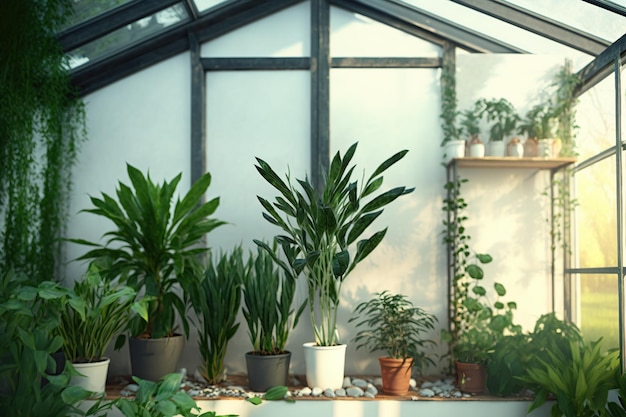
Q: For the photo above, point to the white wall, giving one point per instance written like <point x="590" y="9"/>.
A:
<point x="144" y="120"/>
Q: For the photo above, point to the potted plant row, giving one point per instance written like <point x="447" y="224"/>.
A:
<point x="320" y="232"/>
<point x="154" y="248"/>
<point x="392" y="324"/>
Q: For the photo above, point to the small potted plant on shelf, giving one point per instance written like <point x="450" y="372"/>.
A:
<point x="539" y="124"/>
<point x="393" y="325"/>
<point x="154" y="248"/>
<point x="321" y="228"/>
<point x="268" y="294"/>
<point x="470" y="123"/>
<point x="215" y="300"/>
<point x="503" y="120"/>
<point x="97" y="311"/>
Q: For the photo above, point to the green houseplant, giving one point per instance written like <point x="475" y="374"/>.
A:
<point x="268" y="295"/>
<point x="154" y="249"/>
<point x="470" y="124"/>
<point x="321" y="228"/>
<point x="477" y="322"/>
<point x="215" y="300"/>
<point x="393" y="325"/>
<point x="96" y="313"/>
<point x="503" y="120"/>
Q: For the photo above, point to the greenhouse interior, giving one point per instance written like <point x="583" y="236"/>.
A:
<point x="313" y="207"/>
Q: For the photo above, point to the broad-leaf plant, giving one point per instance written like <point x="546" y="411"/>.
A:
<point x="322" y="230"/>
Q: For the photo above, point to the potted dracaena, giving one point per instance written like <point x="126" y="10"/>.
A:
<point x="97" y="312"/>
<point x="321" y="231"/>
<point x="154" y="248"/>
<point x="392" y="324"/>
<point x="268" y="294"/>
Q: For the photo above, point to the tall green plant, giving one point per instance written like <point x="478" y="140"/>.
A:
<point x="268" y="294"/>
<point x="155" y="245"/>
<point x="321" y="230"/>
<point x="41" y="126"/>
<point x="215" y="299"/>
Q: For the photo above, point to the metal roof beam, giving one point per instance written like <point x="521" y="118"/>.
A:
<point x="107" y="22"/>
<point x="538" y="24"/>
<point x="609" y="5"/>
<point x="394" y="11"/>
<point x="602" y="66"/>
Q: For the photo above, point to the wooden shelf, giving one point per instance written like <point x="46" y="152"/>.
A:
<point x="512" y="162"/>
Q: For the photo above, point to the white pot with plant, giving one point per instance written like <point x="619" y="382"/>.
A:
<point x="97" y="310"/>
<point x="321" y="230"/>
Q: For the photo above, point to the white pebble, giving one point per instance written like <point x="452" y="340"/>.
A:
<point x="427" y="392"/>
<point x="316" y="392"/>
<point x="340" y="392"/>
<point x="412" y="383"/>
<point x="305" y="391"/>
<point x="358" y="382"/>
<point x="372" y="389"/>
<point x="426" y="384"/>
<point x="346" y="382"/>
<point x="369" y="395"/>
<point x="354" y="392"/>
<point x="328" y="392"/>
<point x="132" y="387"/>
<point x="457" y="394"/>
<point x="193" y="392"/>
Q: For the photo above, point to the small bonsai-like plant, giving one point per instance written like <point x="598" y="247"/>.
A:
<point x="392" y="324"/>
<point x="268" y="295"/>
<point x="539" y="122"/>
<point x="215" y="300"/>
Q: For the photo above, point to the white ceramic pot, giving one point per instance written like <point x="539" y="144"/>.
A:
<point x="454" y="149"/>
<point x="93" y="376"/>
<point x="497" y="148"/>
<point x="324" y="365"/>
<point x="477" y="150"/>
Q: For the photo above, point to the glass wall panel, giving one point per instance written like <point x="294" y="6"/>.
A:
<point x="358" y="36"/>
<point x="596" y="215"/>
<point x="205" y="5"/>
<point x="87" y="9"/>
<point x="283" y="34"/>
<point x="595" y="116"/>
<point x="598" y="310"/>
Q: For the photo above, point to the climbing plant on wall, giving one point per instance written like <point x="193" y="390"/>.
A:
<point x="41" y="126"/>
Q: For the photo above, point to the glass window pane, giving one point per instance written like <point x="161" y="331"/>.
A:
<point x="87" y="9"/>
<point x="598" y="310"/>
<point x="204" y="5"/>
<point x="596" y="215"/>
<point x="133" y="33"/>
<point x="595" y="116"/>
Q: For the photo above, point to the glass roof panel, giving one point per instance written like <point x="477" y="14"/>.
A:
<point x="204" y="5"/>
<point x="580" y="15"/>
<point x="495" y="28"/>
<point x="130" y="34"/>
<point x="86" y="9"/>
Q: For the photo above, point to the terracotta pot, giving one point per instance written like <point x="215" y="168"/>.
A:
<point x="396" y="375"/>
<point x="530" y="148"/>
<point x="471" y="377"/>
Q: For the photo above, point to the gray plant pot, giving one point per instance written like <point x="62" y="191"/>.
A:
<point x="152" y="359"/>
<point x="266" y="371"/>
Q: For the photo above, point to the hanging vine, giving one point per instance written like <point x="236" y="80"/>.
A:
<point x="41" y="125"/>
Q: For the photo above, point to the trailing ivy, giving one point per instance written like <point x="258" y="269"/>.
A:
<point x="41" y="126"/>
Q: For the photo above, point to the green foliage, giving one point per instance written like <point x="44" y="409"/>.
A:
<point x="268" y="294"/>
<point x="321" y="230"/>
<point x="478" y="322"/>
<point x="41" y="126"/>
<point x="98" y="311"/>
<point x="565" y="82"/>
<point x="154" y="247"/>
<point x="215" y="299"/>
<point x="160" y="399"/>
<point x="539" y="122"/>
<point x="30" y="384"/>
<point x="394" y="326"/>
<point x="449" y="112"/>
<point x="470" y="121"/>
<point x="618" y="409"/>
<point x="580" y="380"/>
<point x="501" y="114"/>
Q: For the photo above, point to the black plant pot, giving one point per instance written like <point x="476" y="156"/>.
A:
<point x="267" y="371"/>
<point x="152" y="359"/>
